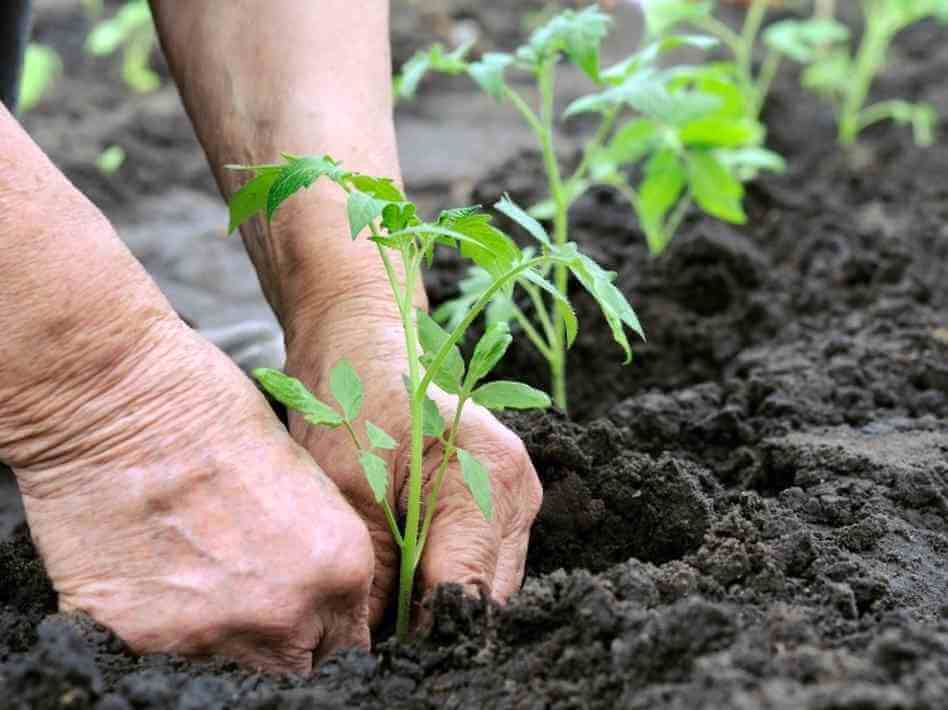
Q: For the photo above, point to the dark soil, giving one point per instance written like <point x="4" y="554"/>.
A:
<point x="753" y="515"/>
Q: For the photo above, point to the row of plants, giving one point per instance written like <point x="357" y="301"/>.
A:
<point x="670" y="138"/>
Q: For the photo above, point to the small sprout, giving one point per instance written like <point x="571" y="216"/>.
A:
<point x="378" y="211"/>
<point x="110" y="160"/>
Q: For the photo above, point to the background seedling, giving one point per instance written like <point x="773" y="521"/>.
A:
<point x="377" y="207"/>
<point x="845" y="77"/>
<point x="41" y="67"/>
<point x="667" y="139"/>
<point x="132" y="31"/>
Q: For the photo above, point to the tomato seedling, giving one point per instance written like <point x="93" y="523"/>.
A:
<point x="844" y="77"/>
<point x="132" y="31"/>
<point x="692" y="137"/>
<point x="378" y="208"/>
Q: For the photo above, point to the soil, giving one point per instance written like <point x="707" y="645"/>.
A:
<point x="752" y="515"/>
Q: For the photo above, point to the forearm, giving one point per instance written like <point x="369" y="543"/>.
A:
<point x="259" y="79"/>
<point x="64" y="277"/>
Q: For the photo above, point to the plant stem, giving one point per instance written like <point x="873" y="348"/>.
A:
<point x="416" y="401"/>
<point x="598" y="139"/>
<point x="869" y="57"/>
<point x="768" y="72"/>
<point x="560" y="225"/>
<point x="432" y="501"/>
<point x="389" y="515"/>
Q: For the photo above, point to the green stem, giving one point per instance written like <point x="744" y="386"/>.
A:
<point x="438" y="480"/>
<point x="560" y="225"/>
<point x="752" y="24"/>
<point x="416" y="401"/>
<point x="538" y="342"/>
<point x="869" y="58"/>
<point x="768" y="72"/>
<point x="597" y="141"/>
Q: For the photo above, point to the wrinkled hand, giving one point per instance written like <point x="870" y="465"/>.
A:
<point x="462" y="546"/>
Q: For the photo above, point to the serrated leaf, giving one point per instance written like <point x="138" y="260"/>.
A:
<point x="613" y="304"/>
<point x="746" y="162"/>
<point x="503" y="395"/>
<point x="714" y="188"/>
<point x="488" y="73"/>
<point x="508" y="207"/>
<point x="295" y="395"/>
<point x="662" y="15"/>
<point x="578" y="34"/>
<point x="376" y="473"/>
<point x="378" y="187"/>
<point x="432" y="337"/>
<point x="298" y="174"/>
<point x="413" y="71"/>
<point x="251" y="198"/>
<point x="432" y="422"/>
<point x="478" y="482"/>
<point x="346" y="387"/>
<point x="486" y="245"/>
<point x="362" y="210"/>
<point x="488" y="352"/>
<point x="647" y="56"/>
<point x="379" y="438"/>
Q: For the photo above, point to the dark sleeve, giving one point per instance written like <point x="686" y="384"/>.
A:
<point x="14" y="34"/>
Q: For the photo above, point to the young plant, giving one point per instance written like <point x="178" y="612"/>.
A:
<point x="376" y="207"/>
<point x="687" y="131"/>
<point x="845" y="78"/>
<point x="41" y="67"/>
<point x="132" y="31"/>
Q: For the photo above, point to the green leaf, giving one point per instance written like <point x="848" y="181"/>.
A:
<point x="662" y="15"/>
<point x="488" y="352"/>
<point x="613" y="304"/>
<point x="721" y="132"/>
<point x="376" y="473"/>
<point x="362" y="211"/>
<point x="510" y="395"/>
<point x="804" y="40"/>
<point x="41" y="67"/>
<point x="486" y="245"/>
<point x="746" y="162"/>
<point x="564" y="307"/>
<point x="295" y="395"/>
<point x="382" y="188"/>
<point x="300" y="173"/>
<point x="379" y="438"/>
<point x="647" y="56"/>
<point x="633" y="141"/>
<point x="346" y="387"/>
<point x="831" y="75"/>
<point x="508" y="207"/>
<point x="413" y="71"/>
<point x="478" y="482"/>
<point x="715" y="189"/>
<point x="432" y="422"/>
<point x="488" y="73"/>
<point x="665" y="179"/>
<point x="251" y="198"/>
<point x="432" y="337"/>
<point x="577" y="34"/>
<point x="452" y="312"/>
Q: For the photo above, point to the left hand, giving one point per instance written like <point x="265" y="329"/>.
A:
<point x="462" y="546"/>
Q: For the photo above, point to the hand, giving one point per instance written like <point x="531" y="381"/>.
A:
<point x="172" y="507"/>
<point x="462" y="546"/>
